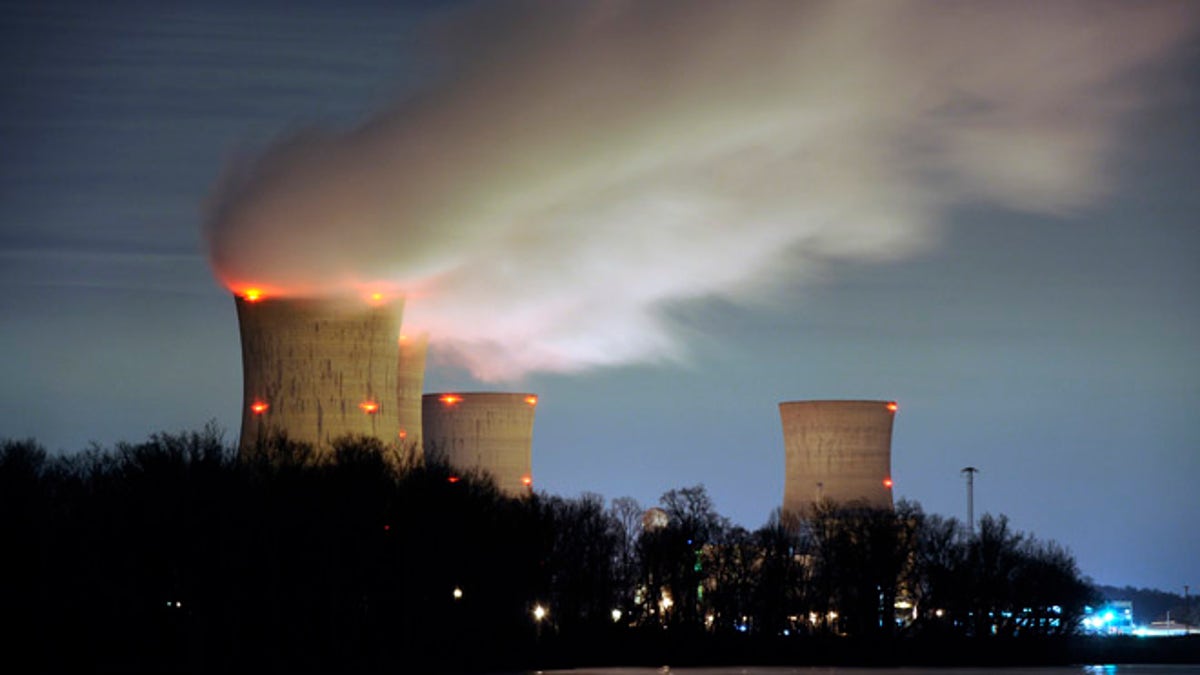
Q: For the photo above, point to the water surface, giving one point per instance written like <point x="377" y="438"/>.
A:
<point x="1123" y="669"/>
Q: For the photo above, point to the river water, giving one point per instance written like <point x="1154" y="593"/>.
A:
<point x="1123" y="669"/>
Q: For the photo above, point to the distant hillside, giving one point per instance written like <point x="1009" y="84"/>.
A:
<point x="1152" y="605"/>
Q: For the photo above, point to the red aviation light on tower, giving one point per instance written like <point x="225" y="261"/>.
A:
<point x="527" y="480"/>
<point x="887" y="482"/>
<point x="450" y="399"/>
<point x="453" y="479"/>
<point x="531" y="400"/>
<point x="369" y="407"/>
<point x="259" y="407"/>
<point x="892" y="406"/>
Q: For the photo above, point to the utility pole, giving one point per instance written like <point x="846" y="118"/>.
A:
<point x="970" y="472"/>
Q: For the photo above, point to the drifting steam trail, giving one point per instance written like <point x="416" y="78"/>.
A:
<point x="578" y="165"/>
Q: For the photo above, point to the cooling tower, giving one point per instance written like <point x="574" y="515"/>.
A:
<point x="837" y="450"/>
<point x="318" y="369"/>
<point x="490" y="432"/>
<point x="410" y="379"/>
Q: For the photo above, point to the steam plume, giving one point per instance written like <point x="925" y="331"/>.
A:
<point x="578" y="165"/>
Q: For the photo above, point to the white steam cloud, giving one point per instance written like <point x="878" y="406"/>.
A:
<point x="578" y="165"/>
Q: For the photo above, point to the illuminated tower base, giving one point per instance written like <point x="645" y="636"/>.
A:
<point x="318" y="370"/>
<point x="840" y="451"/>
<point x="410" y="381"/>
<point x="488" y="432"/>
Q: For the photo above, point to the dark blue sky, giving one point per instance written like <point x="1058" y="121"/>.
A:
<point x="1057" y="348"/>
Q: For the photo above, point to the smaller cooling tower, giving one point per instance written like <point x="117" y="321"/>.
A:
<point x="410" y="380"/>
<point x="837" y="450"/>
<point x="489" y="432"/>
<point x="318" y="369"/>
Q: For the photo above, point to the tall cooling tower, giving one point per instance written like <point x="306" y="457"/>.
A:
<point x="837" y="450"/>
<point x="491" y="432"/>
<point x="318" y="369"/>
<point x="410" y="380"/>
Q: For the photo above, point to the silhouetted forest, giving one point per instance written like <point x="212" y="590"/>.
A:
<point x="174" y="555"/>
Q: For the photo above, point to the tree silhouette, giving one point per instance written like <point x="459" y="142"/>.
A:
<point x="180" y="554"/>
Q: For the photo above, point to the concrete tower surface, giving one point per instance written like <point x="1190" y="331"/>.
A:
<point x="491" y="432"/>
<point x="318" y="369"/>
<point x="837" y="450"/>
<point x="410" y="381"/>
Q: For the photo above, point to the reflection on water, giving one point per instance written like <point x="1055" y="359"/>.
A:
<point x="1123" y="669"/>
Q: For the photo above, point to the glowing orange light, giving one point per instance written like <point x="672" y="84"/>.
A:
<point x="887" y="483"/>
<point x="527" y="480"/>
<point x="531" y="400"/>
<point x="253" y="294"/>
<point x="892" y="406"/>
<point x="369" y="407"/>
<point x="403" y="433"/>
<point x="376" y="297"/>
<point x="403" y="338"/>
<point x="259" y="407"/>
<point x="453" y="479"/>
<point x="450" y="399"/>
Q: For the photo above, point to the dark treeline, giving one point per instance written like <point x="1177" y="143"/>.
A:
<point x="173" y="555"/>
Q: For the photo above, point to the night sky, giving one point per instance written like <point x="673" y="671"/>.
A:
<point x="662" y="221"/>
